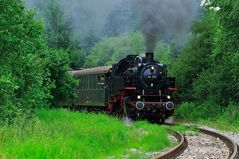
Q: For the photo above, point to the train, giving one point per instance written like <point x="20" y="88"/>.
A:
<point x="137" y="86"/>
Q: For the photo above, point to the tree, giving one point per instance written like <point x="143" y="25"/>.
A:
<point x="58" y="64"/>
<point x="31" y="75"/>
<point x="222" y="78"/>
<point x="195" y="58"/>
<point x="208" y="67"/>
<point x="24" y="83"/>
<point x="59" y="33"/>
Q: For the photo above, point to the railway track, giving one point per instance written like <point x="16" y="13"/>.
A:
<point x="233" y="147"/>
<point x="178" y="149"/>
<point x="182" y="146"/>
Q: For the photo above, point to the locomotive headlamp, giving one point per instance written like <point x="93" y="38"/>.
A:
<point x="168" y="97"/>
<point x="152" y="67"/>
<point x="138" y="97"/>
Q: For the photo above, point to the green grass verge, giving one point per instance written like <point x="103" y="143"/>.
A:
<point x="224" y="118"/>
<point x="64" y="134"/>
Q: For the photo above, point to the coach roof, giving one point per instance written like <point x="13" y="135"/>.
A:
<point x="91" y="71"/>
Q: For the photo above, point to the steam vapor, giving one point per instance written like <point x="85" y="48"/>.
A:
<point x="158" y="19"/>
<point x="89" y="16"/>
<point x="164" y="19"/>
<point x="85" y="16"/>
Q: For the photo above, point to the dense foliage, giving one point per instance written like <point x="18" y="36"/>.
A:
<point x="58" y="64"/>
<point x="23" y="82"/>
<point x="28" y="78"/>
<point x="207" y="67"/>
<point x="210" y="114"/>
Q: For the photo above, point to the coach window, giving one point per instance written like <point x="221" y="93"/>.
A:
<point x="85" y="83"/>
<point x="92" y="82"/>
<point x="89" y="82"/>
<point x="95" y="82"/>
<point x="102" y="81"/>
<point x="82" y="83"/>
<point x="98" y="82"/>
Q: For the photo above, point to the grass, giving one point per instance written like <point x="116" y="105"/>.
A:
<point x="63" y="134"/>
<point x="224" y="118"/>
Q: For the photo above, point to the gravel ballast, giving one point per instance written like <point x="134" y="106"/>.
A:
<point x="234" y="136"/>
<point x="202" y="146"/>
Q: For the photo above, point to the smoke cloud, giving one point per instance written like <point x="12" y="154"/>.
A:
<point x="164" y="19"/>
<point x="89" y="16"/>
<point x="33" y="4"/>
<point x="158" y="19"/>
<point x="85" y="16"/>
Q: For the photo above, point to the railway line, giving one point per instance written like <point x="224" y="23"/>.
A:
<point x="224" y="147"/>
<point x="178" y="149"/>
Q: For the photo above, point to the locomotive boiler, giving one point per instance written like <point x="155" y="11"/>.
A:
<point x="137" y="87"/>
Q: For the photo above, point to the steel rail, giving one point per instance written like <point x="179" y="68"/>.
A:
<point x="233" y="147"/>
<point x="178" y="149"/>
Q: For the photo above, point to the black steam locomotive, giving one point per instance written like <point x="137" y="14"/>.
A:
<point x="137" y="87"/>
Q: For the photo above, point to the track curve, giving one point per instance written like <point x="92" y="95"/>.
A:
<point x="178" y="149"/>
<point x="233" y="147"/>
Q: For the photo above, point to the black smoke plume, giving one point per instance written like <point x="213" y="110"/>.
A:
<point x="165" y="19"/>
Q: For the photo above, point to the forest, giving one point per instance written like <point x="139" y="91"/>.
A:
<point x="41" y="42"/>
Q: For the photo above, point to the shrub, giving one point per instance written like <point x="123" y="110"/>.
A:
<point x="192" y="112"/>
<point x="58" y="63"/>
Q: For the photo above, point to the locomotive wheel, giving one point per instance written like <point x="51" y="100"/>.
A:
<point x="126" y="112"/>
<point x="115" y="110"/>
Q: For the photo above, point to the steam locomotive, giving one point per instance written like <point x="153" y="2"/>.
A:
<point x="137" y="87"/>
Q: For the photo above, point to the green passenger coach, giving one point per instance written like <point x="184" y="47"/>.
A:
<point x="92" y="86"/>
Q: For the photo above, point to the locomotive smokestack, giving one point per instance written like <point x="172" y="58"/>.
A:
<point x="149" y="57"/>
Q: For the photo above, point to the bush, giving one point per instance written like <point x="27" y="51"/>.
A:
<point x="184" y="111"/>
<point x="231" y="114"/>
<point x="193" y="112"/>
<point x="58" y="63"/>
